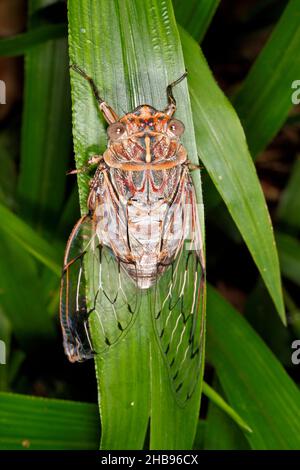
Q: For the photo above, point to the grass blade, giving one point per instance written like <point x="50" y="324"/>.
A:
<point x="23" y="297"/>
<point x="265" y="98"/>
<point x="199" y="439"/>
<point x="221" y="433"/>
<point x="45" y="147"/>
<point x="41" y="424"/>
<point x="221" y="403"/>
<point x="289" y="255"/>
<point x="195" y="15"/>
<point x="254" y="381"/>
<point x="29" y="240"/>
<point x="19" y="44"/>
<point x="132" y="50"/>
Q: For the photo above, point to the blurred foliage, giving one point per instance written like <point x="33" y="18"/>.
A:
<point x="251" y="49"/>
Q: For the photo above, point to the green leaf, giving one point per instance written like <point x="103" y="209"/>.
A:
<point x="123" y="376"/>
<point x="41" y="424"/>
<point x="289" y="255"/>
<point x="195" y="15"/>
<point x="221" y="403"/>
<point x="265" y="98"/>
<point x="29" y="240"/>
<point x="254" y="382"/>
<point x="222" y="148"/>
<point x="289" y="205"/>
<point x="22" y="295"/>
<point x="46" y="138"/>
<point x="199" y="439"/>
<point x="132" y="50"/>
<point x="221" y="433"/>
<point x="19" y="44"/>
<point x="259" y="311"/>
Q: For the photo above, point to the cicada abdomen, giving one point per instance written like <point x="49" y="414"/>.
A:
<point x="142" y="233"/>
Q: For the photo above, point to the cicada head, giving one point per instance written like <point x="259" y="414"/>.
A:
<point x="145" y="135"/>
<point x="146" y="120"/>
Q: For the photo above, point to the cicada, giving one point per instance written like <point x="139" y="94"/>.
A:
<point x="141" y="234"/>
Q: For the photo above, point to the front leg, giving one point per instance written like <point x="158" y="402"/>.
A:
<point x="95" y="185"/>
<point x="191" y="166"/>
<point x="94" y="160"/>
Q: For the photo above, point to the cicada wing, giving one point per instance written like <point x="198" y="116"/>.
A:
<point x="179" y="300"/>
<point x="73" y="304"/>
<point x="109" y="299"/>
<point x="114" y="297"/>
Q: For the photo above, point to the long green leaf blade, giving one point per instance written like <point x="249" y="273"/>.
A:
<point x="222" y="148"/>
<point x="45" y="148"/>
<point x="219" y="401"/>
<point x="132" y="50"/>
<point x="195" y="15"/>
<point x="33" y="423"/>
<point x="221" y="433"/>
<point x="19" y="44"/>
<point x="254" y="381"/>
<point x="265" y="98"/>
<point x="22" y="295"/>
<point x="29" y="240"/>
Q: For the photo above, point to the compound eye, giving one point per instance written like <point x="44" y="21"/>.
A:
<point x="176" y="127"/>
<point x="115" y="130"/>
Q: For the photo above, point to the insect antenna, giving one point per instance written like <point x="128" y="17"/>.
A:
<point x="171" y="108"/>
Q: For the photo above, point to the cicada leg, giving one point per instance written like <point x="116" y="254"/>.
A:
<point x="94" y="160"/>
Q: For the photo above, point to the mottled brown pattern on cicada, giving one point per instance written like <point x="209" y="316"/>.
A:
<point x="142" y="233"/>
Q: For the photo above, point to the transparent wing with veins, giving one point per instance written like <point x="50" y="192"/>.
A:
<point x="178" y="306"/>
<point x="110" y="299"/>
